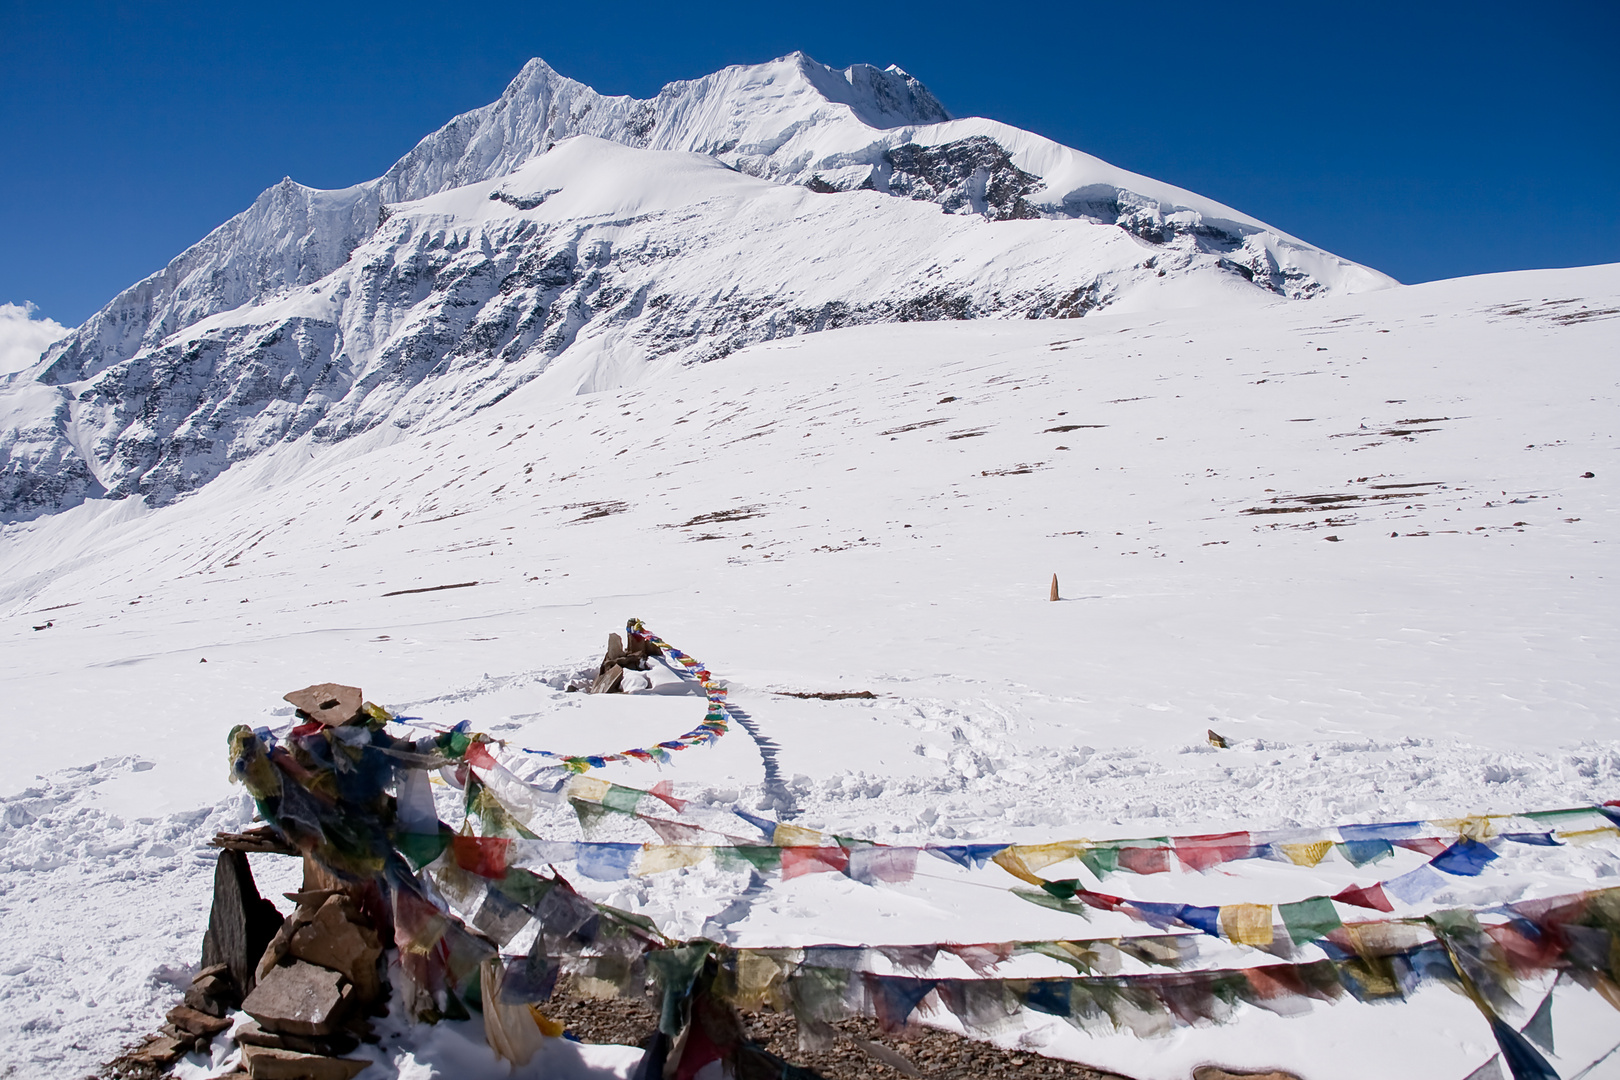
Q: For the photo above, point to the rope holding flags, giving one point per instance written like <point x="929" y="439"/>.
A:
<point x="485" y="921"/>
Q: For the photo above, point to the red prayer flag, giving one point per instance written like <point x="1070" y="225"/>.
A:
<point x="1203" y="852"/>
<point x="1371" y="896"/>
<point x="481" y="855"/>
<point x="1423" y="845"/>
<point x="797" y="861"/>
<point x="1145" y="860"/>
<point x="666" y="791"/>
<point x="479" y="757"/>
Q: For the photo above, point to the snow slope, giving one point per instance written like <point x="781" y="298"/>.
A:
<point x="537" y="232"/>
<point x="1353" y="536"/>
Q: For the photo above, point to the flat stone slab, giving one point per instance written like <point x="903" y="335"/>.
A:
<point x="333" y="704"/>
<point x="264" y="1063"/>
<point x="301" y="999"/>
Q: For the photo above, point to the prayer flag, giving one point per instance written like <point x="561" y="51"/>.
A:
<point x="1370" y="896"/>
<point x="1144" y="860"/>
<point x="1309" y="919"/>
<point x="871" y="865"/>
<point x="785" y="835"/>
<point x="1306" y="854"/>
<point x="895" y="997"/>
<point x="481" y="855"/>
<point x="1206" y="919"/>
<point x="1465" y="858"/>
<point x="666" y="791"/>
<point x="1415" y="886"/>
<point x="607" y="862"/>
<point x="967" y="856"/>
<point x="1203" y="852"/>
<point x="798" y="861"/>
<point x="1247" y="924"/>
<point x="1362" y="852"/>
<point x="658" y="858"/>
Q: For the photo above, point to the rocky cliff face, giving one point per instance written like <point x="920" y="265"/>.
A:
<point x="551" y="231"/>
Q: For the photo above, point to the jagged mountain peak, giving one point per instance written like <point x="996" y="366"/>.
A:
<point x="596" y="239"/>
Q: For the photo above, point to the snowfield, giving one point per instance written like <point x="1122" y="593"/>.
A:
<point x="1356" y="536"/>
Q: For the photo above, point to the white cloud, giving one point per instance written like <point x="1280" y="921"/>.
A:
<point x="23" y="337"/>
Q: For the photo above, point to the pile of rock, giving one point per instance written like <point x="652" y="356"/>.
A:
<point x="618" y="659"/>
<point x="309" y="981"/>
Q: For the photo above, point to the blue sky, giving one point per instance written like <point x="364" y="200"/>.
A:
<point x="1428" y="140"/>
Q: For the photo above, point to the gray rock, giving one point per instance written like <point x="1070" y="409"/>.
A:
<point x="300" y="999"/>
<point x="241" y="922"/>
<point x="338" y="1044"/>
<point x="265" y="1063"/>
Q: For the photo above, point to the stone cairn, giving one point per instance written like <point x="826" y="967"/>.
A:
<point x="310" y="981"/>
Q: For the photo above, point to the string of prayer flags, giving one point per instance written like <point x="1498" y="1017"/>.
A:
<point x="715" y="721"/>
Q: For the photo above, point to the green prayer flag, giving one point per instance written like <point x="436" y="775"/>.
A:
<point x="675" y="969"/>
<point x="524" y="886"/>
<point x="1101" y="860"/>
<point x="622" y="799"/>
<point x="1309" y="919"/>
<point x="589" y="814"/>
<point x="420" y="849"/>
<point x="762" y="857"/>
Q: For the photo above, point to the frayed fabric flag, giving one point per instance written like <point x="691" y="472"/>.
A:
<point x="1309" y="919"/>
<point x="674" y="832"/>
<point x="1207" y="919"/>
<point x="1423" y="845"/>
<point x="1368" y="896"/>
<point x="1465" y="858"/>
<point x="1204" y="852"/>
<point x="588" y="788"/>
<point x="1523" y="1060"/>
<point x="661" y="858"/>
<point x="1305" y="854"/>
<point x="1415" y="886"/>
<point x="872" y="865"/>
<point x="607" y="862"/>
<point x="665" y="791"/>
<point x="967" y="856"/>
<point x="798" y="861"/>
<point x="1010" y="861"/>
<point x="1247" y="924"/>
<point x="894" y="998"/>
<point x="481" y="855"/>
<point x="621" y="799"/>
<point x="764" y="825"/>
<point x="1362" y="852"/>
<point x="1144" y="858"/>
<point x="785" y="835"/>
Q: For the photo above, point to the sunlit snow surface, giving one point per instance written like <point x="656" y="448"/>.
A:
<point x="882" y="508"/>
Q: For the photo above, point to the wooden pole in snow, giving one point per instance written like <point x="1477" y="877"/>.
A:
<point x="1054" y="595"/>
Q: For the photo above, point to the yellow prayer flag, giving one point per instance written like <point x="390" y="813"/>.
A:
<point x="1037" y="856"/>
<point x="1247" y="924"/>
<point x="588" y="788"/>
<point x="759" y="980"/>
<point x="657" y="858"/>
<point x="551" y="1029"/>
<point x="794" y="836"/>
<point x="1580" y="837"/>
<point x="1306" y="854"/>
<point x="1008" y="859"/>
<point x="1479" y="827"/>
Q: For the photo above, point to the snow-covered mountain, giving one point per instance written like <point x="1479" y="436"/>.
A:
<point x="592" y="240"/>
